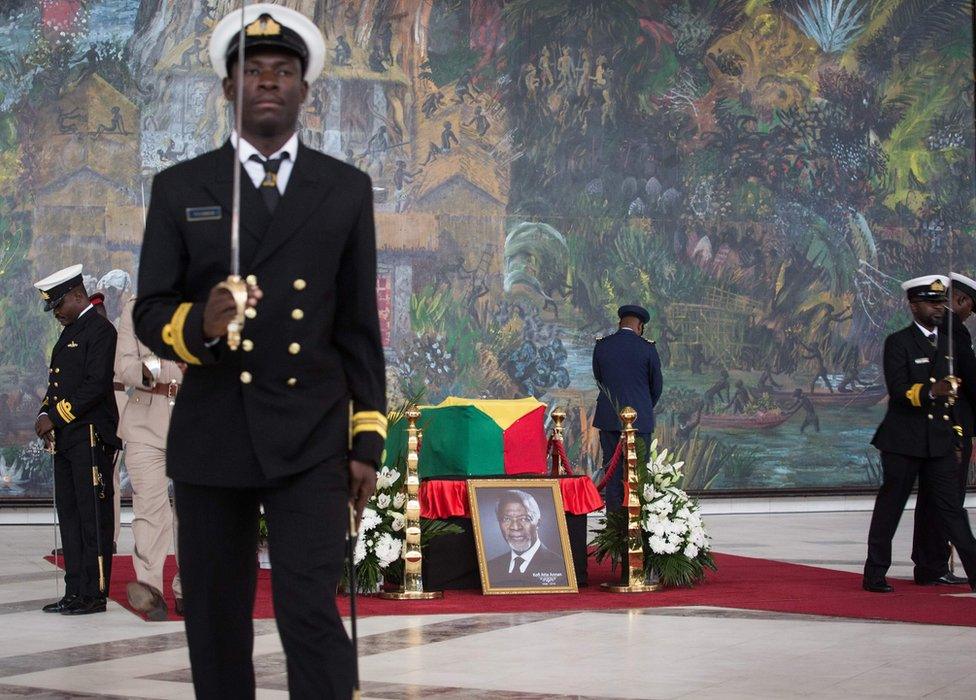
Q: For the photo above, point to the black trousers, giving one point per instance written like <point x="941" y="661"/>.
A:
<point x="614" y="492"/>
<point x="307" y="518"/>
<point x="930" y="545"/>
<point x="75" y="500"/>
<point x="938" y="476"/>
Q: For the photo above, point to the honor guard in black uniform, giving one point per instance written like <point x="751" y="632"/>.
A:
<point x="295" y="419"/>
<point x="930" y="547"/>
<point x="628" y="371"/>
<point x="917" y="437"/>
<point x="78" y="418"/>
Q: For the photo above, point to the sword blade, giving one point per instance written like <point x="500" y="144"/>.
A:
<point x="235" y="217"/>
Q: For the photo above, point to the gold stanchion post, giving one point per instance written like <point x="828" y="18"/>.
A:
<point x="558" y="416"/>
<point x="413" y="582"/>
<point x="634" y="581"/>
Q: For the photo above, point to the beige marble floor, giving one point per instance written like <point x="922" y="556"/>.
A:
<point x="660" y="653"/>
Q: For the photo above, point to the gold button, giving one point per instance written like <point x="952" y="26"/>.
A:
<point x="930" y="416"/>
<point x="294" y="348"/>
<point x="292" y="381"/>
<point x="55" y="383"/>
<point x="297" y="314"/>
<point x="247" y="344"/>
<point x="945" y="417"/>
<point x="57" y="370"/>
<point x="932" y="379"/>
<point x="251" y="280"/>
<point x="246" y="377"/>
<point x="298" y="284"/>
<point x="250" y="312"/>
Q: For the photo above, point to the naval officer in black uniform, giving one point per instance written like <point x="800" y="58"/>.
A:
<point x="930" y="546"/>
<point x="295" y="420"/>
<point x="917" y="437"/>
<point x="80" y="395"/>
<point x="628" y="371"/>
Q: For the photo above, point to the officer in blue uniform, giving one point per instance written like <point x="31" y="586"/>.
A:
<point x="628" y="371"/>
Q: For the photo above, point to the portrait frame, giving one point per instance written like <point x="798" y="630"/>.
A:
<point x="553" y="558"/>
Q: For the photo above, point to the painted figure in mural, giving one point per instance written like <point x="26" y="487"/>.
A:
<point x="583" y="81"/>
<point x="171" y="155"/>
<point x="376" y="148"/>
<point x="432" y="103"/>
<point x="342" y="53"/>
<point x="479" y="121"/>
<point x="546" y="79"/>
<point x="740" y="398"/>
<point x="687" y="424"/>
<point x="385" y="37"/>
<point x="564" y="67"/>
<point x="68" y="121"/>
<point x="802" y="402"/>
<point x="628" y="371"/>
<point x="930" y="547"/>
<point x="116" y="127"/>
<point x="716" y="390"/>
<point x="401" y="178"/>
<point x="78" y="417"/>
<point x="448" y="137"/>
<point x="813" y="352"/>
<point x="377" y="59"/>
<point x="294" y="420"/>
<point x="530" y="80"/>
<point x="143" y="426"/>
<point x="917" y="438"/>
<point x="767" y="382"/>
<point x="463" y="89"/>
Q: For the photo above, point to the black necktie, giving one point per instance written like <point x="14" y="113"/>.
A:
<point x="934" y="340"/>
<point x="269" y="185"/>
<point x="517" y="565"/>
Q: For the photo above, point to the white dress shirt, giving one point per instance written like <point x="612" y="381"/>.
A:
<point x="526" y="557"/>
<point x="927" y="333"/>
<point x="256" y="171"/>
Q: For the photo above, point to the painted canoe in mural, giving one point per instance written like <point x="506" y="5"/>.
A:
<point x="860" y="398"/>
<point x="733" y="421"/>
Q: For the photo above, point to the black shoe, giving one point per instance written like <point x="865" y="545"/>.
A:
<point x="944" y="580"/>
<point x="84" y="605"/>
<point x="879" y="586"/>
<point x="60" y="605"/>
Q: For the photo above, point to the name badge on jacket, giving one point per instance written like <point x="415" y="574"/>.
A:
<point x="203" y="213"/>
<point x="922" y="361"/>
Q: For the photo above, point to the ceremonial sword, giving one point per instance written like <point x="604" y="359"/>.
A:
<point x="234" y="284"/>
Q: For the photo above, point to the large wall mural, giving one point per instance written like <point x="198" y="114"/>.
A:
<point x="761" y="174"/>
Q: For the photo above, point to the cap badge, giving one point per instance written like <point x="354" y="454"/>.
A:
<point x="45" y="296"/>
<point x="263" y="26"/>
<point x="937" y="286"/>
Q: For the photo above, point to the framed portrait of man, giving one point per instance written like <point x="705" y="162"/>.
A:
<point x="521" y="536"/>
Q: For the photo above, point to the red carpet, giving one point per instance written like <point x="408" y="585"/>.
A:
<point x="741" y="582"/>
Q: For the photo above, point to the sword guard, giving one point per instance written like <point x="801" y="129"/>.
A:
<point x="238" y="290"/>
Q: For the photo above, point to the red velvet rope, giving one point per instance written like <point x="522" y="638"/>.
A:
<point x="560" y="449"/>
<point x="612" y="465"/>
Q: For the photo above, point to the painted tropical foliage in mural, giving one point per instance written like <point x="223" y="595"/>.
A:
<point x="761" y="174"/>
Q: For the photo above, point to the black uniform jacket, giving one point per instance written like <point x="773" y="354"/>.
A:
<point x="307" y="385"/>
<point x="914" y="424"/>
<point x="628" y="367"/>
<point x="79" y="391"/>
<point x="965" y="369"/>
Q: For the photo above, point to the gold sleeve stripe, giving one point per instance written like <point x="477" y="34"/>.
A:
<point x="173" y="334"/>
<point x="368" y="421"/>
<point x="64" y="410"/>
<point x="913" y="395"/>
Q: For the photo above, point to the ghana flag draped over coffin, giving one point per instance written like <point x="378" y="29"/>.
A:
<point x="485" y="437"/>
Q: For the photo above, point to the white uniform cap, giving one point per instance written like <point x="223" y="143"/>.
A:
<point x="230" y="26"/>
<point x="928" y="287"/>
<point x="963" y="284"/>
<point x="54" y="287"/>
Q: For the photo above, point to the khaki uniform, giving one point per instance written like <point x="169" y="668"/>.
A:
<point x="143" y="427"/>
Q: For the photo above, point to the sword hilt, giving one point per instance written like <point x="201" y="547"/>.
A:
<point x="238" y="290"/>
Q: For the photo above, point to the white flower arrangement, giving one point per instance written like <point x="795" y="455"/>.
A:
<point x="677" y="545"/>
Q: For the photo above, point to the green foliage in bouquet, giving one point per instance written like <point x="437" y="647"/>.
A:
<point x="379" y="548"/>
<point x="676" y="545"/>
